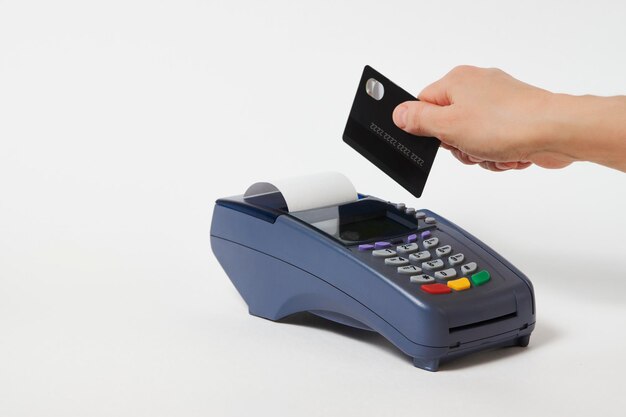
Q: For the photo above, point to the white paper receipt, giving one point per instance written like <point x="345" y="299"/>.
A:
<point x="309" y="191"/>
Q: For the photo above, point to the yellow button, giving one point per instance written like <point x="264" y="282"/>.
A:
<point x="459" y="284"/>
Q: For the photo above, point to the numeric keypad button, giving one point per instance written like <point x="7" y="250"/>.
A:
<point x="383" y="253"/>
<point x="456" y="259"/>
<point x="409" y="269"/>
<point x="420" y="256"/>
<point x="396" y="261"/>
<point x="422" y="279"/>
<point x="469" y="268"/>
<point x="432" y="265"/>
<point x="443" y="250"/>
<point x="408" y="248"/>
<point x="446" y="274"/>
<point x="431" y="243"/>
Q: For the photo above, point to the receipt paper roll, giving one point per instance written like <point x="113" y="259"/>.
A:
<point x="309" y="191"/>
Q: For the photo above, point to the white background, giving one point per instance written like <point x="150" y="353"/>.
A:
<point x="122" y="121"/>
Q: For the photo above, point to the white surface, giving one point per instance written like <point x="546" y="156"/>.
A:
<point x="122" y="121"/>
<point x="305" y="192"/>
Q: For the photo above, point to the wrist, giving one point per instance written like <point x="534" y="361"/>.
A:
<point x="561" y="135"/>
<point x="587" y="128"/>
<point x="551" y="131"/>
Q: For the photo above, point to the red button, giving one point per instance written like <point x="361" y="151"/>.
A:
<point x="436" y="288"/>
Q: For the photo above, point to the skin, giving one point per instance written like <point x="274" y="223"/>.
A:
<point x="486" y="117"/>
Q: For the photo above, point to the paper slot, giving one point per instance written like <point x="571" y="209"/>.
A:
<point x="305" y="192"/>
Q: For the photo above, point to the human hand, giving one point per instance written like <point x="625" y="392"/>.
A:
<point x="484" y="116"/>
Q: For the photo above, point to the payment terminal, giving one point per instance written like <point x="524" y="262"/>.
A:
<point x="428" y="286"/>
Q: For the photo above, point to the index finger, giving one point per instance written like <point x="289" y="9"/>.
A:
<point x="436" y="93"/>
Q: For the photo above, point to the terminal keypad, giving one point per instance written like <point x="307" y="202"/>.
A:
<point x="431" y="265"/>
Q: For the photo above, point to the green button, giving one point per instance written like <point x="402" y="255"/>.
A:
<point x="479" y="278"/>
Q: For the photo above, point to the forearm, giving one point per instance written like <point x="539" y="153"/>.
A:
<point x="589" y="128"/>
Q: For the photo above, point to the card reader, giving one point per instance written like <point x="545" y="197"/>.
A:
<point x="425" y="284"/>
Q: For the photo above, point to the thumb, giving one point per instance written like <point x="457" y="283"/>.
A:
<point x="419" y="118"/>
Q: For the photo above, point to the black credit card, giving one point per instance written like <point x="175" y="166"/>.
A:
<point x="370" y="130"/>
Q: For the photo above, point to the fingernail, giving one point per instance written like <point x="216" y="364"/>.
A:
<point x="399" y="116"/>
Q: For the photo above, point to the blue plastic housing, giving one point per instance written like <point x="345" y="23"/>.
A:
<point x="281" y="265"/>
